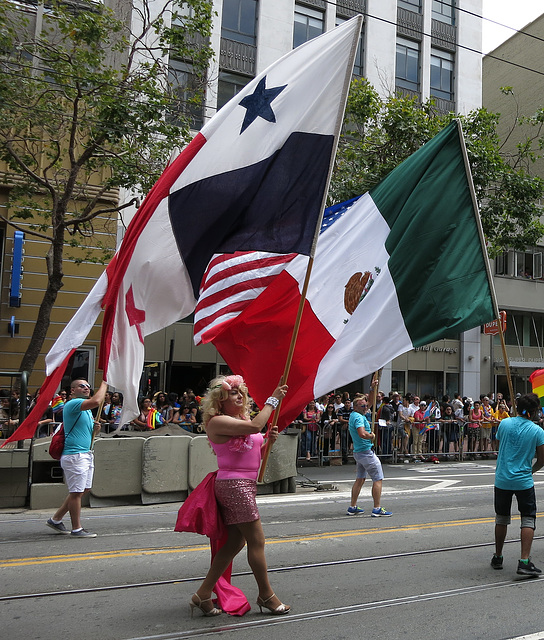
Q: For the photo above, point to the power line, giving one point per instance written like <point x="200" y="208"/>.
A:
<point x="176" y="101"/>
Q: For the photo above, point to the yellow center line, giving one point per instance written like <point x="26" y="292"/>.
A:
<point x="130" y="553"/>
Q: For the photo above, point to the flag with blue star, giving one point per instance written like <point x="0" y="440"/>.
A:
<point x="258" y="104"/>
<point x="253" y="179"/>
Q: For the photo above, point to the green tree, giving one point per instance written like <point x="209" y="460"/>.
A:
<point x="381" y="132"/>
<point x="89" y="105"/>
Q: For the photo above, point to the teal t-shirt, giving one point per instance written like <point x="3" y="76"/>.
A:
<point x="357" y="420"/>
<point x="78" y="427"/>
<point x="518" y="439"/>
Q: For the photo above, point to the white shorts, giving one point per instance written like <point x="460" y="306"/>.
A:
<point x="78" y="471"/>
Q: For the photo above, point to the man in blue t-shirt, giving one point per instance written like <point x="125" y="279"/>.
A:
<point x="77" y="460"/>
<point x="367" y="461"/>
<point x="520" y="440"/>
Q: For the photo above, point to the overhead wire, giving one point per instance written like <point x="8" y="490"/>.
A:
<point x="367" y="15"/>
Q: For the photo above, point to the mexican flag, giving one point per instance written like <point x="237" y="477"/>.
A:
<point x="400" y="267"/>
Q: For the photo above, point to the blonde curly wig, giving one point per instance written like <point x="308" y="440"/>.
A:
<point x="218" y="392"/>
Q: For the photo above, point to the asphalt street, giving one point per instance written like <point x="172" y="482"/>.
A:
<point x="422" y="573"/>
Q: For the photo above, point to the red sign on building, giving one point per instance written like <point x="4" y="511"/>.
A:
<point x="492" y="328"/>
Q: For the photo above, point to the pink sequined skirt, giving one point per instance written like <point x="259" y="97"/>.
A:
<point x="237" y="500"/>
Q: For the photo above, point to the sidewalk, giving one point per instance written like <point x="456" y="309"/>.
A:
<point x="311" y="476"/>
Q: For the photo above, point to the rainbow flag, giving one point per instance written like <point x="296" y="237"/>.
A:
<point x="154" y="419"/>
<point x="537" y="380"/>
<point x="57" y="404"/>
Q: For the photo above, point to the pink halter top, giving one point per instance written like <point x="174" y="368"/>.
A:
<point x="239" y="457"/>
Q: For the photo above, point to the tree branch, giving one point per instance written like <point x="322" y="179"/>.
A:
<point x="37" y="234"/>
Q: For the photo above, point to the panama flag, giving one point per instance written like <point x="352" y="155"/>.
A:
<point x="537" y="381"/>
<point x="402" y="266"/>
<point x="253" y="179"/>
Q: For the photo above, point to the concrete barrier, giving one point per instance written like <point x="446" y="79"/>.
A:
<point x="13" y="477"/>
<point x="202" y="460"/>
<point x="117" y="471"/>
<point x="281" y="469"/>
<point x="165" y="469"/>
<point x="133" y="470"/>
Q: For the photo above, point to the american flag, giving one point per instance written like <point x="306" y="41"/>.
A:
<point x="233" y="280"/>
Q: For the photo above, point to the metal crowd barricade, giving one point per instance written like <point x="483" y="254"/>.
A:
<point x="21" y="384"/>
<point x="396" y="443"/>
<point x="326" y="445"/>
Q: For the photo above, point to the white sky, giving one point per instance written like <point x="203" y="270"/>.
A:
<point x="514" y="13"/>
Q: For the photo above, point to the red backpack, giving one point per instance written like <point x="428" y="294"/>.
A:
<point x="56" y="446"/>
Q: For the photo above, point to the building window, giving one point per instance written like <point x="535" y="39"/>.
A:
<point x="443" y="10"/>
<point x="407" y="64"/>
<point x="523" y="330"/>
<point x="442" y="66"/>
<point x="398" y="382"/>
<point x="410" y="5"/>
<point x="187" y="94"/>
<point x="526" y="265"/>
<point x="229" y="85"/>
<point x="239" y="21"/>
<point x="358" y="65"/>
<point x="309" y="24"/>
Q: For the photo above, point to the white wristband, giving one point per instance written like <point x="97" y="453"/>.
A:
<point x="273" y="402"/>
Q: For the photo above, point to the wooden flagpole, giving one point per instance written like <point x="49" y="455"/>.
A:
<point x="338" y="127"/>
<point x="98" y="414"/>
<point x="507" y="367"/>
<point x="374" y="386"/>
<point x="488" y="269"/>
<point x="288" y="362"/>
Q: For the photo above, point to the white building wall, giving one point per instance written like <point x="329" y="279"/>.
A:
<point x="468" y="63"/>
<point x="274" y="31"/>
<point x="380" y="45"/>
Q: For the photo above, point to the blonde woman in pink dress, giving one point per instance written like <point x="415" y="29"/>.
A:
<point x="238" y="443"/>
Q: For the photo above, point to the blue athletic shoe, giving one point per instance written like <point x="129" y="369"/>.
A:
<point x="380" y="512"/>
<point x="355" y="511"/>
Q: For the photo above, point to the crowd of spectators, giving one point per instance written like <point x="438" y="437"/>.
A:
<point x="156" y="410"/>
<point x="408" y="429"/>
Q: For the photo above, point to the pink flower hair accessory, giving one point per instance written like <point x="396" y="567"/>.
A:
<point x="232" y="381"/>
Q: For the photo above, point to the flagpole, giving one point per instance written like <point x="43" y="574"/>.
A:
<point x="478" y="220"/>
<point x="507" y="367"/>
<point x="98" y="414"/>
<point x="374" y="386"/>
<point x="337" y="129"/>
<point x="487" y="265"/>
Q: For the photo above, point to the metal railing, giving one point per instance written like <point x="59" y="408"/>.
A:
<point x="401" y="442"/>
<point x="19" y="382"/>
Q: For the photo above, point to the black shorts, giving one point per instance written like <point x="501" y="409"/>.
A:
<point x="526" y="500"/>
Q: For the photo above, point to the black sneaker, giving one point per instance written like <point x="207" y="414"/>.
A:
<point x="58" y="527"/>
<point x="496" y="562"/>
<point x="527" y="569"/>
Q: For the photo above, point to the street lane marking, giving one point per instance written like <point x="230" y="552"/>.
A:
<point x="128" y="553"/>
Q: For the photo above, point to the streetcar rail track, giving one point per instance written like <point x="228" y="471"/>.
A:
<point x="304" y="566"/>
<point x="310" y="616"/>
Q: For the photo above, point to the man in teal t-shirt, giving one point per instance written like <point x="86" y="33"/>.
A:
<point x="520" y="440"/>
<point x="367" y="461"/>
<point x="77" y="460"/>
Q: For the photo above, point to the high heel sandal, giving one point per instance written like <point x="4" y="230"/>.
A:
<point x="280" y="610"/>
<point x="214" y="611"/>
